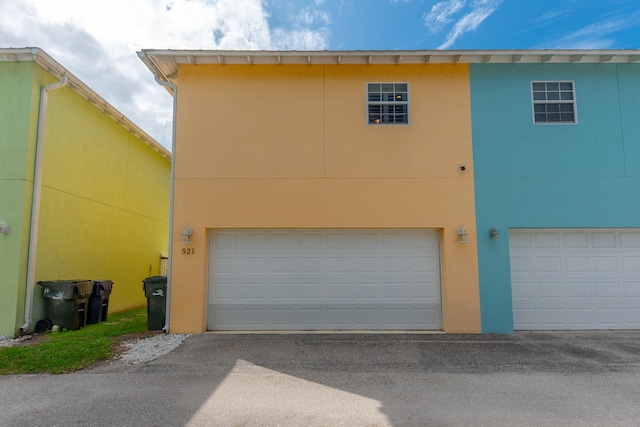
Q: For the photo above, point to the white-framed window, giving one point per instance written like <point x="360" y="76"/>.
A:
<point x="388" y="103"/>
<point x="554" y="102"/>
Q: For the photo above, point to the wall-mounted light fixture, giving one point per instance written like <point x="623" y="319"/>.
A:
<point x="463" y="235"/>
<point x="4" y="227"/>
<point x="494" y="234"/>
<point x="186" y="235"/>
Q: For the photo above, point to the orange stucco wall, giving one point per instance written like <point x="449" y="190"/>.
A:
<point x="288" y="146"/>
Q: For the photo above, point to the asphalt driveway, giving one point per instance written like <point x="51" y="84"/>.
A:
<point x="526" y="379"/>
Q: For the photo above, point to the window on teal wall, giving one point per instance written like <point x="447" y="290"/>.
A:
<point x="388" y="103"/>
<point x="553" y="102"/>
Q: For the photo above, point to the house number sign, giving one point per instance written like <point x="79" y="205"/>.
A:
<point x="188" y="251"/>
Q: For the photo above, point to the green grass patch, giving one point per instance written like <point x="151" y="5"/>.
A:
<point x="67" y="351"/>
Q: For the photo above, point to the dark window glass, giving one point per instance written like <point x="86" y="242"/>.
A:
<point x="553" y="96"/>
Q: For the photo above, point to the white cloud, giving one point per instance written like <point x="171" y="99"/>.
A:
<point x="480" y="10"/>
<point x="97" y="41"/>
<point x="597" y="35"/>
<point x="310" y="16"/>
<point x="441" y="13"/>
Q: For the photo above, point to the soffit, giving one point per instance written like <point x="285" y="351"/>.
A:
<point x="165" y="63"/>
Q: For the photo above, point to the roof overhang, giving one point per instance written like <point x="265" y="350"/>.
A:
<point x="37" y="55"/>
<point x="164" y="63"/>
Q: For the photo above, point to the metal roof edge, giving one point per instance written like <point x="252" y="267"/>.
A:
<point x="164" y="63"/>
<point x="53" y="67"/>
<point x="199" y="53"/>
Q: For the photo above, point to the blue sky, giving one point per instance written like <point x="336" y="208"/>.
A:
<point x="471" y="24"/>
<point x="97" y="40"/>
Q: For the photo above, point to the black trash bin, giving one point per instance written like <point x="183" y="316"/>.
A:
<point x="155" y="289"/>
<point x="99" y="301"/>
<point x="65" y="304"/>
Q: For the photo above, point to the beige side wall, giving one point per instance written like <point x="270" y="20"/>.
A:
<point x="290" y="147"/>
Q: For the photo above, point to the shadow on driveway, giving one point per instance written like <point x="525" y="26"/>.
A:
<point x="417" y="379"/>
<point x="588" y="378"/>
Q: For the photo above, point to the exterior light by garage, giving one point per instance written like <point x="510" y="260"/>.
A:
<point x="4" y="227"/>
<point x="186" y="235"/>
<point x="463" y="235"/>
<point x="494" y="234"/>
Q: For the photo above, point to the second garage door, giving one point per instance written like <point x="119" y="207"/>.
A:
<point x="324" y="280"/>
<point x="575" y="278"/>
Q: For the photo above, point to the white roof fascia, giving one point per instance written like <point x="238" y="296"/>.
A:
<point x="165" y="63"/>
<point x="40" y="57"/>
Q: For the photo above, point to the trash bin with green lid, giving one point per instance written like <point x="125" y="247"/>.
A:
<point x="65" y="304"/>
<point x="155" y="289"/>
<point x="99" y="301"/>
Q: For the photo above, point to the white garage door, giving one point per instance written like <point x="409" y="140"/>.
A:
<point x="324" y="280"/>
<point x="575" y="279"/>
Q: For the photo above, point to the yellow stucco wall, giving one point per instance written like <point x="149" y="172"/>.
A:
<point x="273" y="146"/>
<point x="105" y="202"/>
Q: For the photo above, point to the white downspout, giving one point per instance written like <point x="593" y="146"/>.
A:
<point x="165" y="328"/>
<point x="35" y="202"/>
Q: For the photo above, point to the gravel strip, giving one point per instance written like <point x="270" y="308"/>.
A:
<point x="6" y="341"/>
<point x="147" y="349"/>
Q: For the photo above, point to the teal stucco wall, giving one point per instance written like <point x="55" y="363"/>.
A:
<point x="579" y="175"/>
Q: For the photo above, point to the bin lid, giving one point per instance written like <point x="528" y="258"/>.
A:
<point x="155" y="279"/>
<point x="102" y="288"/>
<point x="153" y="282"/>
<point x="80" y="287"/>
<point x="60" y="282"/>
<point x="105" y="284"/>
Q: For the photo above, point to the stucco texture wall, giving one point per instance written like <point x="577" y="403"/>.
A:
<point x="289" y="147"/>
<point x="105" y="199"/>
<point x="550" y="176"/>
<point x="18" y="108"/>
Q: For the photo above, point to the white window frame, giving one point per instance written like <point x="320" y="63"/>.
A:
<point x="572" y="101"/>
<point x="383" y="103"/>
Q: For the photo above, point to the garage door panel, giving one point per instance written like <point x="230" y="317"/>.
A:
<point x="630" y="240"/>
<point x="522" y="291"/>
<point x="553" y="317"/>
<point x="521" y="264"/>
<point x="572" y="286"/>
<point x="308" y="317"/>
<point x="577" y="264"/>
<point x="606" y="290"/>
<point x="631" y="264"/>
<point x="603" y="239"/>
<point x="631" y="289"/>
<point x="579" y="290"/>
<point x="550" y="291"/>
<point x="605" y="264"/>
<point x="547" y="264"/>
<point x="547" y="240"/>
<point x="576" y="240"/>
<point x="632" y="317"/>
<point x="324" y="279"/>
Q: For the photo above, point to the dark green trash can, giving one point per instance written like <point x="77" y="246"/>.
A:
<point x="99" y="301"/>
<point x="65" y="303"/>
<point x="155" y="289"/>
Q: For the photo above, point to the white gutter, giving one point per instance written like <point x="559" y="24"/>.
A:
<point x="172" y="86"/>
<point x="35" y="202"/>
